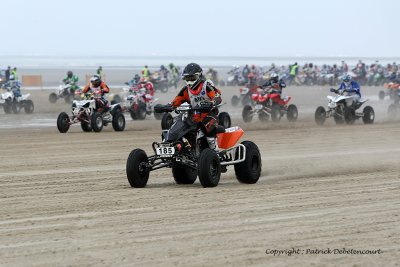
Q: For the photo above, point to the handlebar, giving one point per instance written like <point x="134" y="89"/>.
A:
<point x="168" y="108"/>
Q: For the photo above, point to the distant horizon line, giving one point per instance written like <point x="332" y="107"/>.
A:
<point x="198" y="56"/>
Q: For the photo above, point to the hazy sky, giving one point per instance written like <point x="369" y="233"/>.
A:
<point x="201" y="28"/>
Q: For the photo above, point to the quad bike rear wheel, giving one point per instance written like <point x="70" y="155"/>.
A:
<point x="118" y="121"/>
<point x="369" y="115"/>
<point x="224" y="119"/>
<point x="116" y="99"/>
<point x="28" y="106"/>
<point x="249" y="170"/>
<point x="292" y="113"/>
<point x="53" y="98"/>
<point x="209" y="168"/>
<point x="136" y="170"/>
<point x="68" y="98"/>
<point x="320" y="115"/>
<point x="381" y="95"/>
<point x="392" y="111"/>
<point x="184" y="175"/>
<point x="63" y="122"/>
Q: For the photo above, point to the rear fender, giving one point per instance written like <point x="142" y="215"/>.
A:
<point x="230" y="137"/>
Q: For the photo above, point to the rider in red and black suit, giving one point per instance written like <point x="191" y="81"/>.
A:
<point x="97" y="84"/>
<point x="275" y="85"/>
<point x="200" y="91"/>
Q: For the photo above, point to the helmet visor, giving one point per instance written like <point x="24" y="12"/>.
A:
<point x="191" y="78"/>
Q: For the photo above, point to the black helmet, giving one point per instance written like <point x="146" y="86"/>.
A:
<point x="95" y="80"/>
<point x="69" y="74"/>
<point x="192" y="73"/>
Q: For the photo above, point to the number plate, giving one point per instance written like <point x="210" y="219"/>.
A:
<point x="165" y="151"/>
<point x="258" y="107"/>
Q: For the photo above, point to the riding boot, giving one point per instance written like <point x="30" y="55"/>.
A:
<point x="212" y="144"/>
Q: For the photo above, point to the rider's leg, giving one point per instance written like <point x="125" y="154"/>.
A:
<point x="210" y="124"/>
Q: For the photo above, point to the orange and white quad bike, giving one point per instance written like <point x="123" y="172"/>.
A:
<point x="189" y="153"/>
<point x="393" y="91"/>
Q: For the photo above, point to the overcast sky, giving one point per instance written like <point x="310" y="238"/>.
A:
<point x="365" y="28"/>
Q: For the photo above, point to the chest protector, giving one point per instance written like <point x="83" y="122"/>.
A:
<point x="201" y="97"/>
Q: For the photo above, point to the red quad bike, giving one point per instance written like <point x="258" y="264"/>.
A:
<point x="138" y="103"/>
<point x="270" y="105"/>
<point x="245" y="95"/>
<point x="186" y="150"/>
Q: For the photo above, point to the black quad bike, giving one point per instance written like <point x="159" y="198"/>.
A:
<point x="185" y="149"/>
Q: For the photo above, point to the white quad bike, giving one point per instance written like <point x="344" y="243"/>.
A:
<point x="343" y="109"/>
<point x="189" y="153"/>
<point x="64" y="91"/>
<point x="13" y="102"/>
<point x="86" y="113"/>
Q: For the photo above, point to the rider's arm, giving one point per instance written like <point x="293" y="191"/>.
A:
<point x="182" y="97"/>
<point x="355" y="87"/>
<point x="214" y="94"/>
<point x="86" y="89"/>
<point x="104" y="88"/>
<point x="282" y="84"/>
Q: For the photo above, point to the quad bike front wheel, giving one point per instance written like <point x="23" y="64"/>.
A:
<point x="97" y="122"/>
<point x="28" y="106"/>
<point x="7" y="107"/>
<point x="157" y="115"/>
<point x="141" y="112"/>
<point x="249" y="170"/>
<point x="136" y="170"/>
<point x="209" y="168"/>
<point x="184" y="175"/>
<point x="320" y="115"/>
<point x="263" y="116"/>
<point x="235" y="100"/>
<point x="86" y="127"/>
<point x="349" y="115"/>
<point x="16" y="107"/>
<point x="247" y="113"/>
<point x="63" y="122"/>
<point x="369" y="115"/>
<point x="118" y="121"/>
<point x="224" y="119"/>
<point x="292" y="113"/>
<point x="276" y="113"/>
<point x="166" y="121"/>
<point x="246" y="100"/>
